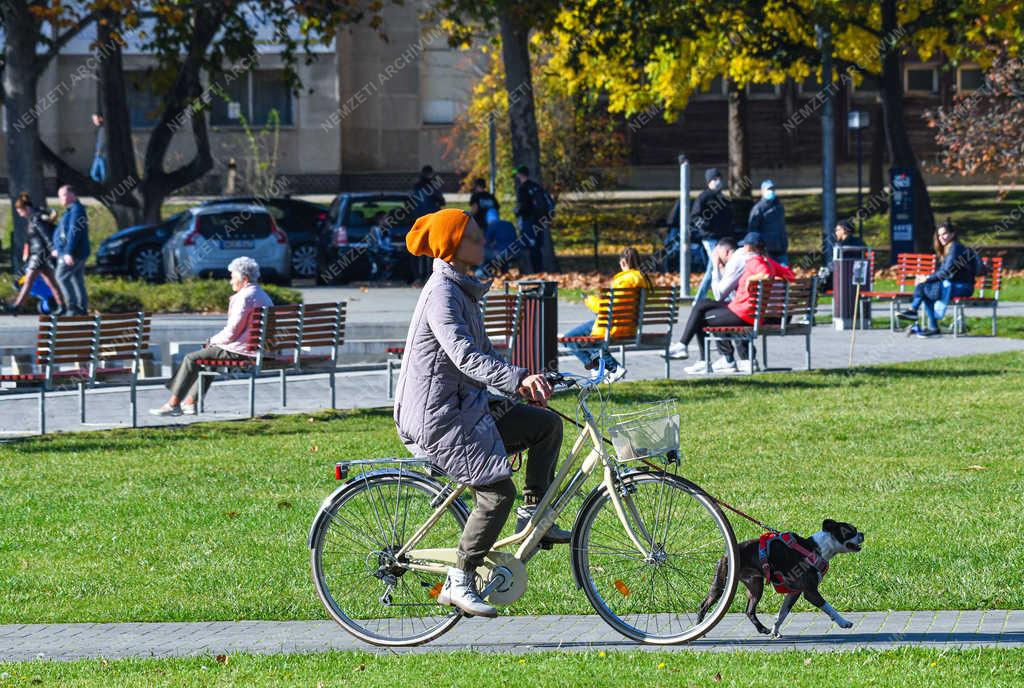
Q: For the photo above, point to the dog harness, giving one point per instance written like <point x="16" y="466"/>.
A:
<point x="789" y="539"/>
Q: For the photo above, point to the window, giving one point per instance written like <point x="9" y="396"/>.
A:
<point x="869" y="85"/>
<point x="443" y="84"/>
<point x="810" y="86"/>
<point x="252" y="95"/>
<point x="439" y="111"/>
<point x="716" y="89"/>
<point x="921" y="80"/>
<point x="144" y="106"/>
<point x="762" y="90"/>
<point x="969" y="79"/>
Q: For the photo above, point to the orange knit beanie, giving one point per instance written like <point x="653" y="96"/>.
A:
<point x="437" y="234"/>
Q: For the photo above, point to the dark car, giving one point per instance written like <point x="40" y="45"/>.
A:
<point x="347" y="227"/>
<point x="302" y="221"/>
<point x="137" y="251"/>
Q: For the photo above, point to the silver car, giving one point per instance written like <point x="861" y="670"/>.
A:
<point x="206" y="239"/>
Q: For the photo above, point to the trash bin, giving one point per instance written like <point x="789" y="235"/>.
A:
<point x="536" y="343"/>
<point x="844" y="289"/>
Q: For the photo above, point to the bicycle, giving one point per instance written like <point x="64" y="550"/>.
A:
<point x="381" y="544"/>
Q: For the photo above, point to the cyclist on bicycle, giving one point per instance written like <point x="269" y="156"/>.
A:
<point x="443" y="410"/>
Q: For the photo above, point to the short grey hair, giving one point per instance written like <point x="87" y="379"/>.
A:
<point x="246" y="267"/>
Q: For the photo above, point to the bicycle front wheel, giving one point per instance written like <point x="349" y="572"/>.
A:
<point x="361" y="581"/>
<point x="681" y="585"/>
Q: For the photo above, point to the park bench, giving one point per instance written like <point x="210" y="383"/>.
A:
<point x="282" y="338"/>
<point x="500" y="311"/>
<point x="909" y="266"/>
<point x="649" y="313"/>
<point x="783" y="309"/>
<point x="986" y="295"/>
<point x="87" y="351"/>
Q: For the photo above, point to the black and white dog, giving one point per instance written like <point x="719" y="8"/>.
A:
<point x="794" y="565"/>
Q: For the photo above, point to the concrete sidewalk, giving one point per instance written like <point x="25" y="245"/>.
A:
<point x="514" y="634"/>
<point x="228" y="400"/>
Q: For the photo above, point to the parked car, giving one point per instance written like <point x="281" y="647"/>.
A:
<point x="136" y="251"/>
<point x="349" y="219"/>
<point x="207" y="238"/>
<point x="302" y="221"/>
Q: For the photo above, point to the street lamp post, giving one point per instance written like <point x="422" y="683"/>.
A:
<point x="858" y="120"/>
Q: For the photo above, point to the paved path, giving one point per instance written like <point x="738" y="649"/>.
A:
<point x="518" y="634"/>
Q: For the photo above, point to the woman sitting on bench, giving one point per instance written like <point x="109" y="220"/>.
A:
<point x="954" y="278"/>
<point x="631" y="276"/>
<point x="230" y="344"/>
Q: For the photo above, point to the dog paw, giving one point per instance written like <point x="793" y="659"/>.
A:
<point x="774" y="635"/>
<point x="845" y="624"/>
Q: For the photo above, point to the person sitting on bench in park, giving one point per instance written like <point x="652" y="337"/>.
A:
<point x="233" y="343"/>
<point x="954" y="278"/>
<point x="630" y="276"/>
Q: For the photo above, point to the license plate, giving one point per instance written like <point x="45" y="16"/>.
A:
<point x="236" y="243"/>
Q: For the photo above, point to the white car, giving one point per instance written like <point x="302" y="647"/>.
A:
<point x="206" y="239"/>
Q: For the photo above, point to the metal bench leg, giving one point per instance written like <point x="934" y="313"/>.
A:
<point x="622" y="355"/>
<point x="42" y="410"/>
<point x="668" y="365"/>
<point x="252" y="395"/>
<point x="81" y="401"/>
<point x="707" y="353"/>
<point x="994" y="306"/>
<point x="764" y="351"/>
<point x="132" y="403"/>
<point x="892" y="316"/>
<point x="958" y="320"/>
<point x="284" y="387"/>
<point x="334" y="402"/>
<point x="391" y="378"/>
<point x="807" y="350"/>
<point x="752" y="354"/>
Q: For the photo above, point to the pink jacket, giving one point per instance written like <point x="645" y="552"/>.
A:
<point x="235" y="335"/>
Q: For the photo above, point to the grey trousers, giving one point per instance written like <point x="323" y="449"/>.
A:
<point x="186" y="381"/>
<point x="71" y="282"/>
<point x="522" y="428"/>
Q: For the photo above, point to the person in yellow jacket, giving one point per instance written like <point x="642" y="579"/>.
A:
<point x="630" y="276"/>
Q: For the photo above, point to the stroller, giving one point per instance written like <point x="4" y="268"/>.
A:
<point x="46" y="304"/>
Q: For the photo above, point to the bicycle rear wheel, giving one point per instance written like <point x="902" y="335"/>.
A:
<point x="691" y="556"/>
<point x="369" y="591"/>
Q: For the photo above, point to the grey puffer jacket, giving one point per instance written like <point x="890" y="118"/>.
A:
<point x="441" y="403"/>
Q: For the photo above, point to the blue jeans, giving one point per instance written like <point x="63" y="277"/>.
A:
<point x="98" y="172"/>
<point x="930" y="293"/>
<point x="705" y="283"/>
<point x="585" y="353"/>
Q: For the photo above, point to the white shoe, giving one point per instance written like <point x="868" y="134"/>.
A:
<point x="615" y="375"/>
<point x="745" y="367"/>
<point x="188" y="409"/>
<point x="459" y="591"/>
<point x="697" y="368"/>
<point x="678" y="350"/>
<point x="723" y="365"/>
<point x="166" y="410"/>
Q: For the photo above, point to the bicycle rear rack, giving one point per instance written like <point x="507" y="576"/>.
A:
<point x="342" y="468"/>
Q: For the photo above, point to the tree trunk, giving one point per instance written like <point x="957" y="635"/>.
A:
<point x="901" y="153"/>
<point x="876" y="175"/>
<point x="522" y="116"/>
<point x="24" y="160"/>
<point x="739" y="148"/>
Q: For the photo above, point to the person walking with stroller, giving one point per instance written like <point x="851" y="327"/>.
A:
<point x="36" y="251"/>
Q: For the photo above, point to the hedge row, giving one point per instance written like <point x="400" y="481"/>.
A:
<point x="113" y="295"/>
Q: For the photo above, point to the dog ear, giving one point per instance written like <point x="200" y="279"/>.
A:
<point x="828" y="524"/>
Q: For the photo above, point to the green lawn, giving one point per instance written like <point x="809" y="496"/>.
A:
<point x="908" y="668"/>
<point x="209" y="521"/>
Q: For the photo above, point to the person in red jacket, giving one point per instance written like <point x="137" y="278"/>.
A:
<point x="737" y="312"/>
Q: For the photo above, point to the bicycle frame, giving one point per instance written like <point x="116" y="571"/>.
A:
<point x="550" y="507"/>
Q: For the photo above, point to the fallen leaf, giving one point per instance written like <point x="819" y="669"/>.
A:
<point x="222" y="659"/>
<point x="717" y="678"/>
<point x="284" y="505"/>
<point x="807" y="662"/>
<point x="361" y="667"/>
<point x="315" y="448"/>
<point x="661" y="665"/>
<point x="365" y="290"/>
<point x="975" y="467"/>
<point x="232" y="514"/>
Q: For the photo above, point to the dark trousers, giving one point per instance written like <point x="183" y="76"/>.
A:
<point x="713" y="314"/>
<point x="71" y="282"/>
<point x="522" y="428"/>
<point x="185" y="384"/>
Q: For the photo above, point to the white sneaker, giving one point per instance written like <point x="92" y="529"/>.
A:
<point x="745" y="367"/>
<point x="723" y="365"/>
<point x="678" y="350"/>
<point x="615" y="375"/>
<point x="188" y="409"/>
<point x="460" y="591"/>
<point x="697" y="368"/>
<point x="166" y="410"/>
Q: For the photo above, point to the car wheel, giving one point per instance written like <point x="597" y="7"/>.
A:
<point x="305" y="261"/>
<point x="147" y="263"/>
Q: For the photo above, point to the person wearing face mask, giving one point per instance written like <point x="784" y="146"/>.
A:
<point x="710" y="220"/>
<point x="769" y="219"/>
